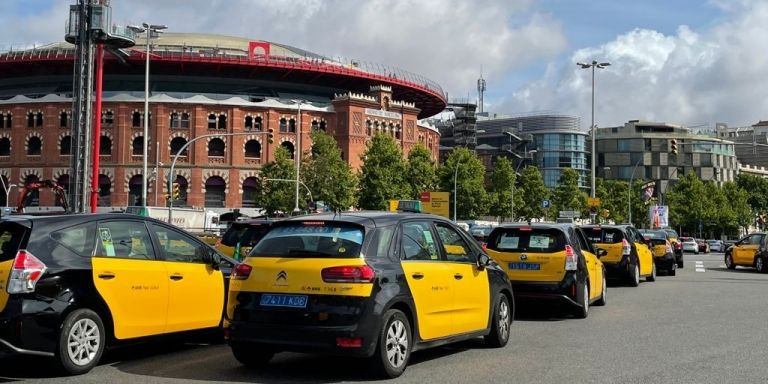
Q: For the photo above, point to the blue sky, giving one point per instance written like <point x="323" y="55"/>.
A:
<point x="680" y="61"/>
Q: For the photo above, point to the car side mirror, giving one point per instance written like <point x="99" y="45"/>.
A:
<point x="482" y="261"/>
<point x="601" y="252"/>
<point x="210" y="257"/>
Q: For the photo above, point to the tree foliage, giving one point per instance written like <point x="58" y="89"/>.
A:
<point x="471" y="196"/>
<point x="382" y="176"/>
<point x="277" y="197"/>
<point x="420" y="171"/>
<point x="532" y="191"/>
<point x="567" y="196"/>
<point x="327" y="175"/>
<point x="502" y="190"/>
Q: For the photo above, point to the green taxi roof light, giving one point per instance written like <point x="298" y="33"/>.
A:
<point x="409" y="206"/>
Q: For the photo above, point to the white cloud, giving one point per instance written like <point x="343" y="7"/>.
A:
<point x="692" y="77"/>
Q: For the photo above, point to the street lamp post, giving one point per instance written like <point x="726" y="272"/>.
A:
<point x="629" y="190"/>
<point x="455" y="175"/>
<point x="309" y="193"/>
<point x="150" y="30"/>
<point x="594" y="64"/>
<point x="525" y="156"/>
<point x="297" y="155"/>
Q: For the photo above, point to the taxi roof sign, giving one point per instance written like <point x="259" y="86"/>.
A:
<point x="409" y="206"/>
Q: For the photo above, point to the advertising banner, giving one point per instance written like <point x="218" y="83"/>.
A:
<point x="658" y="216"/>
<point x="437" y="203"/>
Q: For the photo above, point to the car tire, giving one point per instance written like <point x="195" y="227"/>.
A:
<point x="634" y="275"/>
<point x="652" y="277"/>
<point x="681" y="262"/>
<point x="252" y="355"/>
<point x="82" y="338"/>
<point x="601" y="301"/>
<point x="672" y="271"/>
<point x="501" y="324"/>
<point x="395" y="337"/>
<point x="761" y="265"/>
<point x="582" y="311"/>
<point x="729" y="261"/>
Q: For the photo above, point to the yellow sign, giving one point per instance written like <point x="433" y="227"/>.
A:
<point x="436" y="203"/>
<point x="393" y="205"/>
<point x="593" y="202"/>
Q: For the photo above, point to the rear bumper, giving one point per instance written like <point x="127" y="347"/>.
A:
<point x="562" y="292"/>
<point x="665" y="262"/>
<point x="617" y="270"/>
<point x="29" y="326"/>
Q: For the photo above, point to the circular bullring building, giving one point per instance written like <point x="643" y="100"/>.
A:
<point x="199" y="85"/>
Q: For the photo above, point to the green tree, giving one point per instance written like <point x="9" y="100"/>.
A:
<point x="757" y="192"/>
<point x="532" y="191"/>
<point x="737" y="199"/>
<point x="382" y="176"/>
<point x="688" y="203"/>
<point x="420" y="171"/>
<point x="502" y="189"/>
<point x="567" y="196"/>
<point x="277" y="196"/>
<point x="471" y="196"/>
<point x="327" y="175"/>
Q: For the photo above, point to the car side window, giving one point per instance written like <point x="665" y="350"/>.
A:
<point x="417" y="241"/>
<point x="585" y="245"/>
<point x="124" y="240"/>
<point x="454" y="246"/>
<point x="78" y="238"/>
<point x="176" y="246"/>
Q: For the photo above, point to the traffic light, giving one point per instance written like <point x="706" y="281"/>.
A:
<point x="673" y="146"/>
<point x="271" y="135"/>
<point x="176" y="191"/>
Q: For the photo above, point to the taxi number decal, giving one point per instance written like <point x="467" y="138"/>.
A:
<point x="106" y="241"/>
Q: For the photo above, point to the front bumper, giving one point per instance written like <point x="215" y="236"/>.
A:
<point x="565" y="291"/>
<point x="665" y="262"/>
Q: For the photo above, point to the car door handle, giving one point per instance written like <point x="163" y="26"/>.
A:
<point x="106" y="276"/>
<point x="176" y="277"/>
<point x="417" y="275"/>
<point x="458" y="276"/>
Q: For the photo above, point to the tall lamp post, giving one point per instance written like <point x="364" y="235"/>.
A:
<point x="594" y="64"/>
<point x="525" y="156"/>
<point x="151" y="30"/>
<point x="297" y="154"/>
<point x="629" y="190"/>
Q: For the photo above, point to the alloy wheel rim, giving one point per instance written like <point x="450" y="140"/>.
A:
<point x="83" y="342"/>
<point x="637" y="274"/>
<point x="759" y="264"/>
<point x="397" y="344"/>
<point x="503" y="320"/>
<point x="605" y="286"/>
<point x="586" y="298"/>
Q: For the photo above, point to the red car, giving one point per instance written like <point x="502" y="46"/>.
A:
<point x="703" y="245"/>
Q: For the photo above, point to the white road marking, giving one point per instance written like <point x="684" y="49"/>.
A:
<point x="700" y="266"/>
<point x="722" y="265"/>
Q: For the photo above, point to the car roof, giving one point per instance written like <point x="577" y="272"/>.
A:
<point x="560" y="226"/>
<point x="365" y="218"/>
<point x="73" y="218"/>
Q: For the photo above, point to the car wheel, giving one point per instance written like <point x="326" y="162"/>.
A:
<point x="761" y="265"/>
<point x="500" y="326"/>
<point x="680" y="262"/>
<point x="634" y="276"/>
<point x="729" y="261"/>
<point x="672" y="271"/>
<point x="394" y="345"/>
<point x="652" y="277"/>
<point x="601" y="301"/>
<point x="582" y="310"/>
<point x="252" y="355"/>
<point x="81" y="342"/>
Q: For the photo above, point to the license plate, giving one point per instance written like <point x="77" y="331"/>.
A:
<point x="290" y="301"/>
<point x="525" y="266"/>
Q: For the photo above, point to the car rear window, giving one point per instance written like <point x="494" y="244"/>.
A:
<point x="246" y="234"/>
<point x="10" y="240"/>
<point x="543" y="240"/>
<point x="602" y="235"/>
<point x="671" y="232"/>
<point x="315" y="239"/>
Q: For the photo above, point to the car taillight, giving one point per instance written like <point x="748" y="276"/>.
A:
<point x="27" y="271"/>
<point x="484" y="246"/>
<point x="626" y="249"/>
<point x="571" y="263"/>
<point x="668" y="249"/>
<point x="241" y="272"/>
<point x="678" y="245"/>
<point x="348" y="274"/>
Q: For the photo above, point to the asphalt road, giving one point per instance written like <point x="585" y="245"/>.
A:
<point x="705" y="325"/>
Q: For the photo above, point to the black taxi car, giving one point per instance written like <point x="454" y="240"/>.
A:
<point x="72" y="284"/>
<point x="628" y="255"/>
<point x="367" y="284"/>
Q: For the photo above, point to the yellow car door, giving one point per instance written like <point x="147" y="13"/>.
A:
<point x="644" y="254"/>
<point x="471" y="289"/>
<point x="594" y="265"/>
<point x="430" y="279"/>
<point x="132" y="282"/>
<point x="742" y="252"/>
<point x="195" y="289"/>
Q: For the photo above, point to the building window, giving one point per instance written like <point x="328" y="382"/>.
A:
<point x="33" y="198"/>
<point x="63" y="120"/>
<point x="185" y="120"/>
<point x="222" y="124"/>
<point x="398" y="132"/>
<point x="283" y="125"/>
<point x="292" y="125"/>
<point x="648" y="145"/>
<point x="315" y="125"/>
<point x="65" y="145"/>
<point x="34" y="146"/>
<point x="257" y="123"/>
<point x="322" y="125"/>
<point x="5" y="147"/>
<point x="138" y="146"/>
<point x="105" y="145"/>
<point x="183" y="186"/>
<point x="635" y="158"/>
<point x="216" y="147"/>
<point x="706" y="159"/>
<point x="175" y="120"/>
<point x="30" y="120"/>
<point x="8" y="120"/>
<point x="289" y="147"/>
<point x="623" y="145"/>
<point x="176" y="144"/>
<point x="215" y="192"/>
<point x="211" y="121"/>
<point x="108" y="118"/>
<point x="368" y="127"/>
<point x="136" y="119"/>
<point x="105" y="191"/>
<point x="250" y="192"/>
<point x="248" y="123"/>
<point x="252" y="149"/>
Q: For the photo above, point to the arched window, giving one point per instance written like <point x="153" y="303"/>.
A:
<point x="183" y="187"/>
<point x="391" y="129"/>
<point x="9" y="120"/>
<point x="39" y="119"/>
<point x="215" y="192"/>
<point x="138" y="146"/>
<point x="105" y="191"/>
<point x="250" y="192"/>
<point x="211" y="121"/>
<point x="63" y="120"/>
<point x="315" y="125"/>
<point x="33" y="197"/>
<point x="252" y="149"/>
<point x="175" y="120"/>
<point x="105" y="145"/>
<point x="322" y="125"/>
<point x="289" y="147"/>
<point x="184" y="120"/>
<point x="176" y="144"/>
<point x="5" y="147"/>
<point x="292" y="125"/>
<point x="65" y="145"/>
<point x="257" y="123"/>
<point x="30" y="120"/>
<point x="283" y="125"/>
<point x="2" y="120"/>
<point x="136" y="119"/>
<point x="216" y="147"/>
<point x="398" y="131"/>
<point x="368" y="127"/>
<point x="222" y="122"/>
<point x="34" y="146"/>
<point x="248" y="123"/>
<point x="108" y="118"/>
<point x="134" y="190"/>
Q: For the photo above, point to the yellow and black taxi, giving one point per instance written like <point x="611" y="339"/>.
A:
<point x="663" y="253"/>
<point x="70" y="285"/>
<point x="378" y="285"/>
<point x="241" y="236"/>
<point x="550" y="261"/>
<point x="750" y="251"/>
<point x="677" y="245"/>
<point x="627" y="253"/>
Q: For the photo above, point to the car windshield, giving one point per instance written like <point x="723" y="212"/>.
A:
<point x="311" y="240"/>
<point x="526" y="239"/>
<point x="246" y="234"/>
<point x="603" y="235"/>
